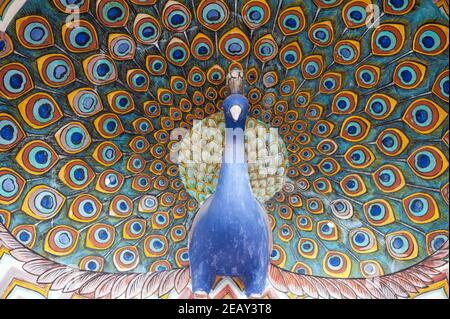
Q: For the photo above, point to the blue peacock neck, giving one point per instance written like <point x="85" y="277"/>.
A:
<point x="233" y="177"/>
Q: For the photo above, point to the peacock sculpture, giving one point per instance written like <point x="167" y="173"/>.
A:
<point x="344" y="195"/>
<point x="231" y="232"/>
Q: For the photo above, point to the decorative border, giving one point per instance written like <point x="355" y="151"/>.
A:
<point x="443" y="5"/>
<point x="28" y="275"/>
<point x="8" y="9"/>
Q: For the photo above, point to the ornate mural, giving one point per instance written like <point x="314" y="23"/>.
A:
<point x="92" y="93"/>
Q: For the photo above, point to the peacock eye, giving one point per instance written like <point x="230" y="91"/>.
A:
<point x="428" y="162"/>
<point x="388" y="39"/>
<point x="266" y="48"/>
<point x="43" y="202"/>
<point x="367" y="76"/>
<point x="25" y="234"/>
<point x="196" y="77"/>
<point x="202" y="47"/>
<point x="6" y="45"/>
<point x="76" y="174"/>
<point x="126" y="258"/>
<point x="291" y="21"/>
<point x="68" y="6"/>
<point x="100" y="69"/>
<point x="73" y="138"/>
<point x="109" y="181"/>
<point x="15" y="81"/>
<point x="85" y="102"/>
<point x="234" y="45"/>
<point x="321" y="34"/>
<point x="12" y="185"/>
<point x="431" y="39"/>
<point x="35" y="32"/>
<point x="113" y="14"/>
<point x="141" y="183"/>
<point x="401" y="245"/>
<point x="37" y="157"/>
<point x="176" y="16"/>
<point x="255" y="13"/>
<point x="355" y="14"/>
<point x="92" y="263"/>
<point x="138" y="80"/>
<point x="121" y="206"/>
<point x="122" y="47"/>
<point x="80" y="36"/>
<point x="291" y="55"/>
<point x="213" y="14"/>
<point x="11" y="133"/>
<point x="270" y="79"/>
<point x="146" y="29"/>
<point x="155" y="246"/>
<point x="134" y="229"/>
<point x="156" y="65"/>
<point x="337" y="264"/>
<point x="108" y="125"/>
<point x="85" y="208"/>
<point x="388" y="178"/>
<point x="436" y="240"/>
<point x="409" y="75"/>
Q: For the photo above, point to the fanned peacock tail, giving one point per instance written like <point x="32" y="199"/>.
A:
<point x="358" y="91"/>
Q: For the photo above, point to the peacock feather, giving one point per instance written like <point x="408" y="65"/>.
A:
<point x="92" y="91"/>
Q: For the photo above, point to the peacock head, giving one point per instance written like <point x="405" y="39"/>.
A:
<point x="235" y="108"/>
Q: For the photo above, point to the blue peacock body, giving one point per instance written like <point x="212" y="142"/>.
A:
<point x="358" y="91"/>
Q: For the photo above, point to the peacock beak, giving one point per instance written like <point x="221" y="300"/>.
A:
<point x="235" y="111"/>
